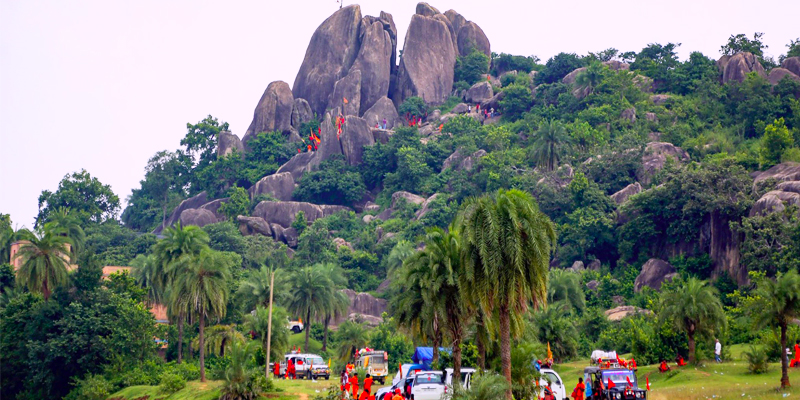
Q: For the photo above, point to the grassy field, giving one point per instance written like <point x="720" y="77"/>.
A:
<point x="299" y="340"/>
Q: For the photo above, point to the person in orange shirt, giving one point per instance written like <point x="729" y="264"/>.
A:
<point x="579" y="390"/>
<point x="276" y="369"/>
<point x="397" y="395"/>
<point x="368" y="384"/>
<point x="354" y="384"/>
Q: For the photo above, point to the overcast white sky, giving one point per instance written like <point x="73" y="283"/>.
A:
<point x="103" y="85"/>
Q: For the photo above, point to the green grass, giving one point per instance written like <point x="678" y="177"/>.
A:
<point x="300" y="340"/>
<point x="194" y="390"/>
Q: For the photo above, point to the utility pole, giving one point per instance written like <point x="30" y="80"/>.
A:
<point x="269" y="322"/>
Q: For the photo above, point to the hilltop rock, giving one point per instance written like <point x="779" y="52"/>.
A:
<point x="774" y="201"/>
<point x="623" y="195"/>
<point x="429" y="56"/>
<point x="301" y="113"/>
<point x="618" y="313"/>
<point x="409" y="197"/>
<point x="655" y="156"/>
<point x="330" y="54"/>
<point x="363" y="306"/>
<point x="792" y="64"/>
<point x="787" y="171"/>
<point x="660" y="99"/>
<point x="572" y="76"/>
<point x="654" y="273"/>
<point x="297" y="165"/>
<point x="273" y="112"/>
<point x="374" y="61"/>
<point x="615" y="65"/>
<point x="227" y="143"/>
<point x="283" y="213"/>
<point x="776" y="74"/>
<point x="348" y="88"/>
<point x="382" y="109"/>
<point x="470" y="36"/>
<point x="355" y="135"/>
<point x="192" y="202"/>
<point x="198" y="217"/>
<point x="479" y="92"/>
<point x="425" y="209"/>
<point x="249" y="226"/>
<point x="629" y="114"/>
<point x="456" y="19"/>
<point x="739" y="65"/>
<point x="278" y="185"/>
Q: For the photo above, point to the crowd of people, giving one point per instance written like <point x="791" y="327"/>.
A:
<point x="350" y="385"/>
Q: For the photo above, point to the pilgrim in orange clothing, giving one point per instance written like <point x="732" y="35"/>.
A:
<point x="276" y="369"/>
<point x="579" y="390"/>
<point x="796" y="360"/>
<point x="663" y="367"/>
<point x="368" y="384"/>
<point x="397" y="395"/>
<point x="354" y="385"/>
<point x="681" y="363"/>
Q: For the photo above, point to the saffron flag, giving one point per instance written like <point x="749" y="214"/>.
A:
<point x="648" y="383"/>
<point x="400" y="369"/>
<point x="366" y="362"/>
<point x="549" y="353"/>
<point x="627" y="378"/>
<point x="329" y="363"/>
<point x="611" y="384"/>
<point x="345" y="100"/>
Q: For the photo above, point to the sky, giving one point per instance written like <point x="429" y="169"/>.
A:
<point x="103" y="85"/>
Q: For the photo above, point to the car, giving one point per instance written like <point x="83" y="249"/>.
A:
<point x="402" y="382"/>
<point x="556" y="384"/>
<point x="295" y="326"/>
<point x="624" y="380"/>
<point x="466" y="377"/>
<point x="308" y="366"/>
<point x="429" y="385"/>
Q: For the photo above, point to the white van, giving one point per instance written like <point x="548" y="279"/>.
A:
<point x="556" y="384"/>
<point x="466" y="377"/>
<point x="306" y="366"/>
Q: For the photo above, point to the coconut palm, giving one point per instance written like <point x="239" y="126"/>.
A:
<point x="693" y="307"/>
<point x="412" y="307"/>
<point x="566" y="286"/>
<point x="310" y="289"/>
<point x="254" y="289"/>
<point x="507" y="243"/>
<point x="588" y="80"/>
<point x="45" y="260"/>
<point x="239" y="383"/>
<point x="779" y="305"/>
<point x="144" y="270"/>
<point x="351" y="336"/>
<point x="65" y="224"/>
<point x="218" y="339"/>
<point x="200" y="285"/>
<point x="258" y="322"/>
<point x="339" y="302"/>
<point x="549" y="143"/>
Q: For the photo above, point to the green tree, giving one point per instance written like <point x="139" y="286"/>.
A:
<point x="254" y="289"/>
<point x="554" y="328"/>
<point x="333" y="183"/>
<point x="45" y="261"/>
<point x="413" y="107"/>
<point x="566" y="287"/>
<point x="507" y="244"/>
<point x="166" y="175"/>
<point x="550" y="142"/>
<point x="693" y="307"/>
<point x="338" y="303"/>
<point x="310" y="289"/>
<point x="741" y="43"/>
<point x="469" y="68"/>
<point x="64" y="223"/>
<point x="201" y="140"/>
<point x="238" y="203"/>
<point x="777" y="305"/>
<point x="201" y="287"/>
<point x="794" y="49"/>
<point x="516" y="101"/>
<point x="488" y="386"/>
<point x="776" y="140"/>
<point x="258" y="322"/>
<point x="588" y="80"/>
<point x="558" y="66"/>
<point x="240" y="382"/>
<point x="82" y="194"/>
<point x="351" y="336"/>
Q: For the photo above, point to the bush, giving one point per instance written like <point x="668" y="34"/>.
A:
<point x="757" y="360"/>
<point x="412" y="106"/>
<point x="469" y="68"/>
<point x="171" y="383"/>
<point x="92" y="387"/>
<point x="334" y="183"/>
<point x="189" y="371"/>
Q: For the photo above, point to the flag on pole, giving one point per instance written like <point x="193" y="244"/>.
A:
<point x="329" y="363"/>
<point x="648" y="383"/>
<point x="549" y="353"/>
<point x="400" y="369"/>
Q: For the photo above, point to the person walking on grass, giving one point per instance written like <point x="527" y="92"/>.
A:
<point x="718" y="351"/>
<point x="580" y="389"/>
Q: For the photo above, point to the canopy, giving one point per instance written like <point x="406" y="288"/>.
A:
<point x="424" y="355"/>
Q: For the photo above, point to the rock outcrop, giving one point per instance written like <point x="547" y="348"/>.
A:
<point x="654" y="273"/>
<point x="297" y="165"/>
<point x="425" y="209"/>
<point x="253" y="226"/>
<point x="787" y="171"/>
<point x="283" y="213"/>
<point x="792" y="64"/>
<point x="374" y="60"/>
<point x="618" y="313"/>
<point x="408" y="197"/>
<point x="628" y="191"/>
<point x="347" y="94"/>
<point x="655" y="156"/>
<point x="192" y="202"/>
<point x="429" y="56"/>
<point x="382" y="109"/>
<point x="777" y="74"/>
<point x="227" y="143"/>
<point x="471" y="36"/>
<point x="198" y="217"/>
<point x="785" y="194"/>
<point x="364" y="307"/>
<point x="301" y="113"/>
<point x="278" y="185"/>
<point x="572" y="76"/>
<point x="736" y="67"/>
<point x="355" y="135"/>
<point x="273" y="112"/>
<point x="479" y="92"/>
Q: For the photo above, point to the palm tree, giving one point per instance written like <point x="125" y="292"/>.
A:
<point x="779" y="305"/>
<point x="566" y="286"/>
<point x="693" y="307"/>
<point x="351" y="337"/>
<point x="339" y="302"/>
<point x="45" y="261"/>
<point x="549" y="143"/>
<point x="201" y="286"/>
<point x="310" y="289"/>
<point x="64" y="224"/>
<point x="219" y="338"/>
<point x="239" y="383"/>
<point x="258" y="322"/>
<point x="413" y="308"/>
<point x="588" y="80"/>
<point x="144" y="271"/>
<point x="254" y="289"/>
<point x="507" y="243"/>
<point x="488" y="386"/>
<point x="178" y="241"/>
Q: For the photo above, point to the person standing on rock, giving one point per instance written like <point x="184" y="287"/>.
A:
<point x="384" y="124"/>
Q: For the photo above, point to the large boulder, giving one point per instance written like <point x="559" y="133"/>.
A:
<point x="330" y="54"/>
<point x="470" y="36"/>
<point x="615" y="65"/>
<point x="429" y="56"/>
<point x="618" y="313"/>
<point x="739" y="65"/>
<point x="479" y="92"/>
<point x="425" y="209"/>
<point x="355" y="135"/>
<point x="330" y="139"/>
<point x="249" y="226"/>
<point x="214" y="206"/>
<point x="198" y="217"/>
<point x="363" y="306"/>
<point x="192" y="202"/>
<point x="774" y="201"/>
<point x="374" y="61"/>
<point x="408" y="197"/>
<point x="494" y="102"/>
<point x="227" y="143"/>
<point x="623" y="195"/>
<point x="273" y="112"/>
<point x="382" y="109"/>
<point x="660" y="99"/>
<point x="347" y="93"/>
<point x="787" y="171"/>
<point x="297" y="165"/>
<point x="654" y="273"/>
<point x="301" y="113"/>
<point x="655" y="156"/>
<point x="792" y="64"/>
<point x="283" y="213"/>
<point x="629" y="114"/>
<point x="278" y="185"/>
<point x="572" y="76"/>
<point x="777" y="74"/>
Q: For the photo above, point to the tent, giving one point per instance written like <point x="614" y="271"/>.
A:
<point x="424" y="355"/>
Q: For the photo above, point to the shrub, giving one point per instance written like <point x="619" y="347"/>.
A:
<point x="757" y="360"/>
<point x="412" y="106"/>
<point x="92" y="387"/>
<point x="469" y="68"/>
<point x="171" y="383"/>
<point x="188" y="371"/>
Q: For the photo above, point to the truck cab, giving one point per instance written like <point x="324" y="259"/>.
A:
<point x="308" y="366"/>
<point x="552" y="377"/>
<point x="625" y="384"/>
<point x="376" y="363"/>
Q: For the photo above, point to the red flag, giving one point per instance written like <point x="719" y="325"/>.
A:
<point x="627" y="378"/>
<point x="611" y="384"/>
<point x="345" y="100"/>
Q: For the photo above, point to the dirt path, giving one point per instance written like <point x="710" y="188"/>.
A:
<point x="301" y="396"/>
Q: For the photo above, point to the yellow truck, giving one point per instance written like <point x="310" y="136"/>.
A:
<point x="376" y="362"/>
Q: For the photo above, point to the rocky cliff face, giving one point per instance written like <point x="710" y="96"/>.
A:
<point x="363" y="307"/>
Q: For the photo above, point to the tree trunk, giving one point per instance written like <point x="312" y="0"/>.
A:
<point x="222" y="348"/>
<point x="456" y="359"/>
<point x="325" y="333"/>
<point x="479" y="339"/>
<point x="45" y="290"/>
<point x="505" y="346"/>
<point x="202" y="349"/>
<point x="784" y="360"/>
<point x="436" y="337"/>
<point x="180" y="338"/>
<point x="269" y="322"/>
<point x="308" y="326"/>
<point x="690" y="334"/>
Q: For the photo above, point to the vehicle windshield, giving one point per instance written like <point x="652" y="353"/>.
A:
<point x="377" y="362"/>
<point x="317" y="361"/>
<point x="552" y="378"/>
<point x="620" y="378"/>
<point x="428" y="378"/>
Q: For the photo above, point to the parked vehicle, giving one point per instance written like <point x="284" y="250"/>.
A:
<point x="295" y="326"/>
<point x="429" y="385"/>
<point x="466" y="377"/>
<point x="402" y="382"/>
<point x="306" y="366"/>
<point x="376" y="362"/>
<point x="556" y="384"/>
<point x="625" y="384"/>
